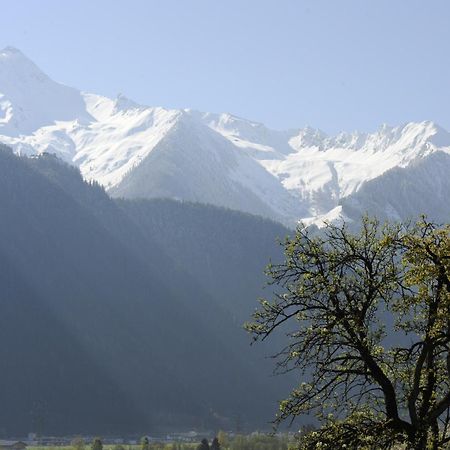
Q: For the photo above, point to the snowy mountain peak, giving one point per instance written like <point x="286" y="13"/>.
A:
<point x="29" y="99"/>
<point x="9" y="50"/>
<point x="13" y="63"/>
<point x="122" y="103"/>
<point x="308" y="137"/>
<point x="410" y="135"/>
<point x="135" y="150"/>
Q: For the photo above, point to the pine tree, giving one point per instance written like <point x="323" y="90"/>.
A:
<point x="204" y="445"/>
<point x="215" y="445"/>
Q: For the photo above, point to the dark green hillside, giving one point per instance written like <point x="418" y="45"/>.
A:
<point x="224" y="250"/>
<point x="104" y="328"/>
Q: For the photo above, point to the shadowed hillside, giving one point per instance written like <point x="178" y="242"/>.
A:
<point x="103" y="327"/>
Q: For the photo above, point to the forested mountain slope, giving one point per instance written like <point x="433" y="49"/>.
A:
<point x="103" y="329"/>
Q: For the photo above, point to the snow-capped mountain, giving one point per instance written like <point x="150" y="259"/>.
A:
<point x="139" y="151"/>
<point x="29" y="99"/>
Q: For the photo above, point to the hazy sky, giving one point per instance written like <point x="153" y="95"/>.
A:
<point x="335" y="64"/>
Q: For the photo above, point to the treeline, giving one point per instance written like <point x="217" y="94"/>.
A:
<point x="256" y="442"/>
<point x="221" y="442"/>
<point x="225" y="442"/>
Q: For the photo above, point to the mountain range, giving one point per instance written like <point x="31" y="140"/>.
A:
<point x="133" y="241"/>
<point x="136" y="151"/>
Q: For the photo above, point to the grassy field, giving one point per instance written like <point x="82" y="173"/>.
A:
<point x="153" y="446"/>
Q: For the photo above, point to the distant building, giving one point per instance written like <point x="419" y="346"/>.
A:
<point x="12" y="445"/>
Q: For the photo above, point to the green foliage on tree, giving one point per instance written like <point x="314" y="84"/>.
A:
<point x="78" y="443"/>
<point x="223" y="439"/>
<point x="97" y="444"/>
<point x="367" y="317"/>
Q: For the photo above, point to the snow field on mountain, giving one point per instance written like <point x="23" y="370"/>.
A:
<point x="213" y="158"/>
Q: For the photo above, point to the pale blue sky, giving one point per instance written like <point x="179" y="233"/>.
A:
<point x="335" y="64"/>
